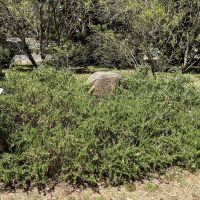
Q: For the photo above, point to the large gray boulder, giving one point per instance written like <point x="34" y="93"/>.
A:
<point x="103" y="83"/>
<point x="23" y="60"/>
<point x="16" y="45"/>
<point x="17" y="55"/>
<point x="33" y="44"/>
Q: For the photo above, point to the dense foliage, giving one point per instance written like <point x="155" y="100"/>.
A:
<point x="116" y="33"/>
<point x="52" y="129"/>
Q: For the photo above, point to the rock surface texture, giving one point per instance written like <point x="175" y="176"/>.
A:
<point x="24" y="60"/>
<point x="103" y="83"/>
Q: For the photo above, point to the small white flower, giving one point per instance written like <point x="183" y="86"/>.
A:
<point x="1" y="90"/>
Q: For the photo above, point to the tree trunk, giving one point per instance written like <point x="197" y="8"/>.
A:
<point x="42" y="48"/>
<point x="28" y="52"/>
<point x="184" y="68"/>
<point x="153" y="64"/>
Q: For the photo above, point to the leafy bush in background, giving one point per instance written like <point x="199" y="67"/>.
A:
<point x="101" y="49"/>
<point x="4" y="57"/>
<point x="55" y="130"/>
<point x="109" y="49"/>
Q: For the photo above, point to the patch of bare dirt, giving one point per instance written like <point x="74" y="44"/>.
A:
<point x="174" y="185"/>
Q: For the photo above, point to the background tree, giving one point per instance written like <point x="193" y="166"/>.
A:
<point x="116" y="33"/>
<point x="15" y="19"/>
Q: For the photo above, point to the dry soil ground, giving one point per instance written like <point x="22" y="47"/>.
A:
<point x="176" y="184"/>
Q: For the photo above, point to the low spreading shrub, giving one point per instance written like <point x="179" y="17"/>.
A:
<point x="54" y="130"/>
